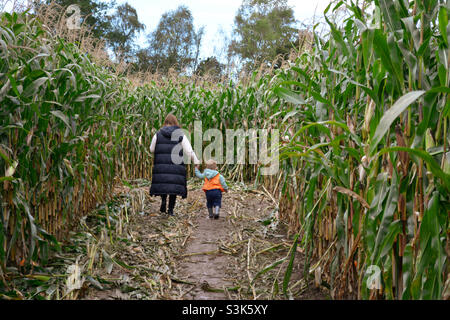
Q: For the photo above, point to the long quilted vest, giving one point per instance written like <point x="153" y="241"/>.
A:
<point x="168" y="177"/>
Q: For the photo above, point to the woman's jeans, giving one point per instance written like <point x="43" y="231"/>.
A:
<point x="172" y="200"/>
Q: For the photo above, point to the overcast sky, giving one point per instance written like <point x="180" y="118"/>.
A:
<point x="214" y="15"/>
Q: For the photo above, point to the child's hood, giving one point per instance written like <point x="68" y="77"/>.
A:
<point x="209" y="173"/>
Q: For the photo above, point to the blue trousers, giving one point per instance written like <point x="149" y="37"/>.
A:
<point x="214" y="198"/>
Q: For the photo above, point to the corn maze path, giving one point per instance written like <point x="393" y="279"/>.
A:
<point x="209" y="268"/>
<point x="193" y="257"/>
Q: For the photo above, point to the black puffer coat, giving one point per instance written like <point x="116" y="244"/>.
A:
<point x="167" y="177"/>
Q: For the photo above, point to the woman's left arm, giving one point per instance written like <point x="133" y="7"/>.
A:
<point x="187" y="149"/>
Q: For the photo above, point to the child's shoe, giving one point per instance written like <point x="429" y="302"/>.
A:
<point x="210" y="211"/>
<point x="216" y="213"/>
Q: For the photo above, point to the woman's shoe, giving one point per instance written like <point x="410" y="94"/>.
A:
<point x="163" y="209"/>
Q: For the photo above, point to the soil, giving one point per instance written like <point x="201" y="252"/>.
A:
<point x="206" y="269"/>
<point x="190" y="256"/>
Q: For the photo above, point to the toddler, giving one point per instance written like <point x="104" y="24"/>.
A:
<point x="214" y="186"/>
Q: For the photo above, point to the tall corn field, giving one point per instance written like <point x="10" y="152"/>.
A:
<point x="364" y="175"/>
<point x="61" y="137"/>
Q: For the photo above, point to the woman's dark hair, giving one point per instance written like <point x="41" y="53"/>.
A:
<point x="171" y="120"/>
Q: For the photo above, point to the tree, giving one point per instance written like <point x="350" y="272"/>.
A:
<point x="197" y="44"/>
<point x="210" y="66"/>
<point x="119" y="29"/>
<point x="125" y="26"/>
<point x="94" y="14"/>
<point x="142" y="61"/>
<point x="263" y="29"/>
<point x="175" y="43"/>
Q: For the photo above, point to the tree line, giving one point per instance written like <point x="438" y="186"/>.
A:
<point x="263" y="30"/>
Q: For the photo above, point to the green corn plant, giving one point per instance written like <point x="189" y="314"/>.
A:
<point x="364" y="160"/>
<point x="365" y="101"/>
<point x="58" y="146"/>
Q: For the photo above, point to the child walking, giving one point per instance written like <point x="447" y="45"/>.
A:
<point x="214" y="186"/>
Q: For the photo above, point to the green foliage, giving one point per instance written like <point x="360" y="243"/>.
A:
<point x="59" y="141"/>
<point x="364" y="161"/>
<point x="263" y="29"/>
<point x="210" y="66"/>
<point x="180" y="49"/>
<point x="383" y="76"/>
<point x="117" y="28"/>
<point x="94" y="14"/>
<point x="125" y="26"/>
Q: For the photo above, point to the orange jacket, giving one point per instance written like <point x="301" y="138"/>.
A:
<point x="212" y="184"/>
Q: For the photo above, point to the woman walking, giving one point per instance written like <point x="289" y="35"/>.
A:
<point x="169" y="170"/>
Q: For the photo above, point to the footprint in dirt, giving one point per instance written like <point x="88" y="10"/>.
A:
<point x="202" y="262"/>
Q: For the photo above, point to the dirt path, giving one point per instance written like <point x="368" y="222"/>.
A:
<point x="200" y="263"/>
<point x="226" y="254"/>
<point x="188" y="256"/>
